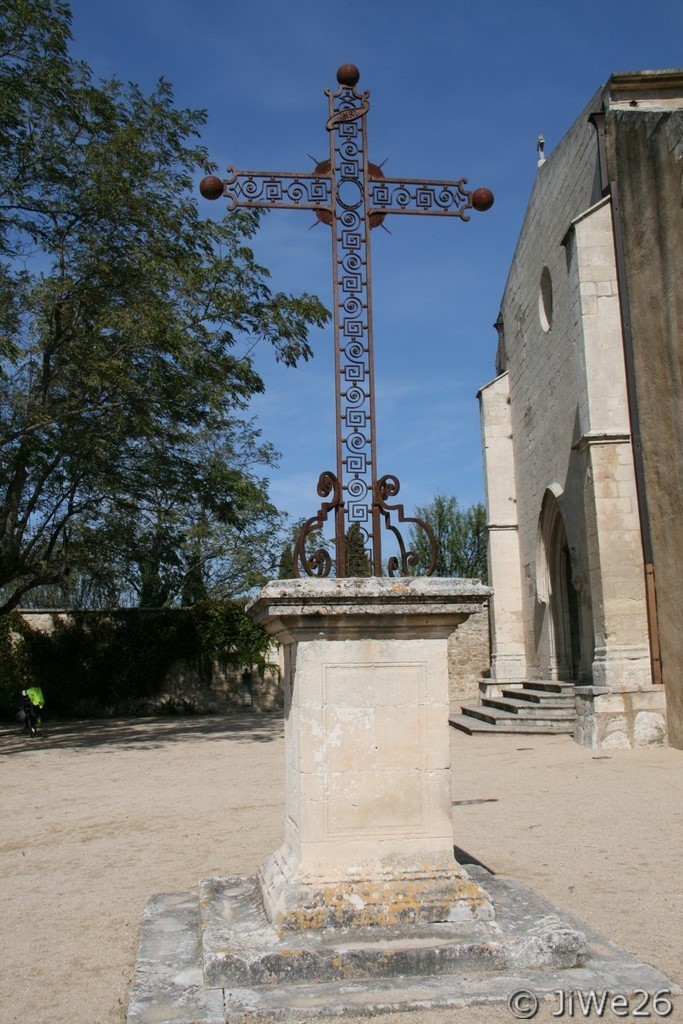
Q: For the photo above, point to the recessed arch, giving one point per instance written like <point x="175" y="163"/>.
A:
<point x="555" y="588"/>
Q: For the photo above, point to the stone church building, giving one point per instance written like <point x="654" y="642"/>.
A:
<point x="583" y="425"/>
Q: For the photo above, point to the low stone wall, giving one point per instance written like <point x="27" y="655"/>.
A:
<point x="223" y="689"/>
<point x="227" y="689"/>
<point x="609" y="721"/>
<point x="469" y="658"/>
<point x="208" y="688"/>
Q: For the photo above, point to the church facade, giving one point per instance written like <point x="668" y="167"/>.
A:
<point x="582" y="426"/>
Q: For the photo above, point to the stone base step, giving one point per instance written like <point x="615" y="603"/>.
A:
<point x="531" y="945"/>
<point x="513" y="687"/>
<point x="240" y="948"/>
<point x="535" y="715"/>
<point x="471" y="725"/>
<point x="534" y="696"/>
<point x="531" y="694"/>
<point x="555" y="709"/>
<point x="550" y="685"/>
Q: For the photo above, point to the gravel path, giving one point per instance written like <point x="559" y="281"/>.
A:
<point x="97" y="816"/>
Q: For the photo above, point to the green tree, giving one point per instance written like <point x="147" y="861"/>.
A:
<point x="314" y="541"/>
<point x="357" y="561"/>
<point x="285" y="569"/>
<point x="121" y="315"/>
<point x="460" y="535"/>
<point x="176" y="544"/>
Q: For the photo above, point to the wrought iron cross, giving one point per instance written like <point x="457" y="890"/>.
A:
<point x="352" y="196"/>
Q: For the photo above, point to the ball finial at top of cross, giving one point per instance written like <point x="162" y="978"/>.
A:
<point x="348" y="74"/>
<point x="482" y="199"/>
<point x="211" y="187"/>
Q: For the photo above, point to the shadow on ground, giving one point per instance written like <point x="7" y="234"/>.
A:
<point x="465" y="858"/>
<point x="144" y="733"/>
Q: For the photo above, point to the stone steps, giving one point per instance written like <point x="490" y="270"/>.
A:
<point x="550" y="685"/>
<point x="242" y="950"/>
<point x="239" y="968"/>
<point x="534" y="693"/>
<point x="527" y="709"/>
<point x="541" y="706"/>
<point x="470" y="725"/>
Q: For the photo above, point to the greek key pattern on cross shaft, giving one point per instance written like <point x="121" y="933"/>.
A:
<point x="356" y="454"/>
<point x="406" y="195"/>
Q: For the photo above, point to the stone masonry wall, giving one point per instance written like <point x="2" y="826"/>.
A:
<point x="540" y="353"/>
<point x="469" y="658"/>
<point x="225" y="689"/>
<point x="222" y="691"/>
<point x="562" y="347"/>
<point x="646" y="157"/>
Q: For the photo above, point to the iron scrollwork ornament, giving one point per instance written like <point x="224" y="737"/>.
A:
<point x="388" y="487"/>
<point x="318" y="562"/>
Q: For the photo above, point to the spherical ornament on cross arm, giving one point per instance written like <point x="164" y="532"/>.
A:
<point x="211" y="187"/>
<point x="348" y="74"/>
<point x="482" y="199"/>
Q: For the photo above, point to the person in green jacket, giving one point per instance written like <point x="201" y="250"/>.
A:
<point x="33" y="703"/>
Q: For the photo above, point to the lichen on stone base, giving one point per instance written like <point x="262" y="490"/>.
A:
<point x="411" y="897"/>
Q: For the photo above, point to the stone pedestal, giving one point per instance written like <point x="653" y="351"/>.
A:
<point x="363" y="910"/>
<point x="368" y="829"/>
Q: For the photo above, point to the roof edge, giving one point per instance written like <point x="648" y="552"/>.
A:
<point x="633" y="87"/>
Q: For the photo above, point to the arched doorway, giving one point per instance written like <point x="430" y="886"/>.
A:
<point x="556" y="590"/>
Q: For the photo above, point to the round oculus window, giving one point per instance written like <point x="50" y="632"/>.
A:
<point x="545" y="300"/>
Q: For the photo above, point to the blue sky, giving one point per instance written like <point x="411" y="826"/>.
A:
<point x="456" y="90"/>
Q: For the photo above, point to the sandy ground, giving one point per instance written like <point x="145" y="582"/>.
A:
<point x="99" y="816"/>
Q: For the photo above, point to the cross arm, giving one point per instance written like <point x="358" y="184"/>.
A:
<point x="412" y="195"/>
<point x="268" y="189"/>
